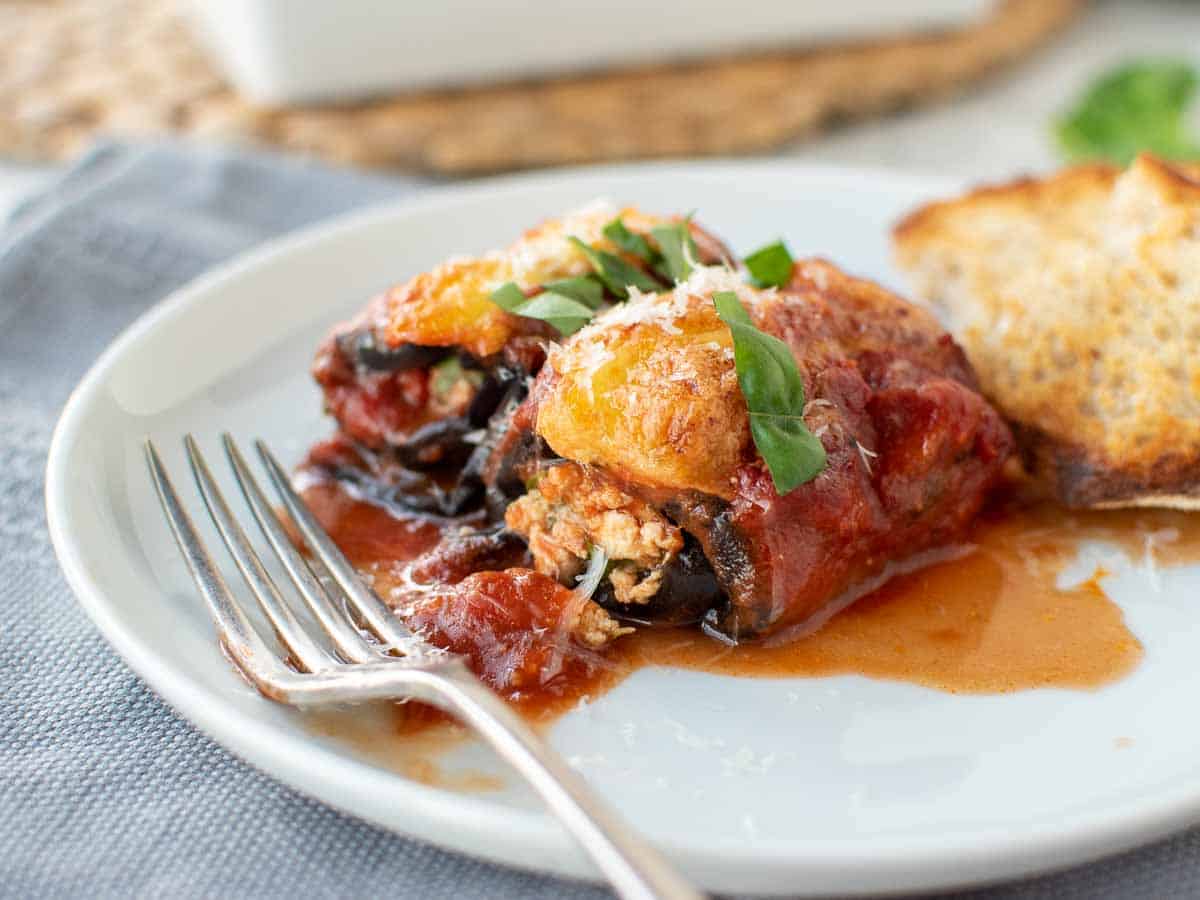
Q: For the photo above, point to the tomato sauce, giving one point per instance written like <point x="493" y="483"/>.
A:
<point x="991" y="619"/>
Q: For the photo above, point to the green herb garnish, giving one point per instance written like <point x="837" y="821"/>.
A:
<point x="508" y="296"/>
<point x="616" y="274"/>
<point x="449" y="372"/>
<point x="1137" y="107"/>
<point x="587" y="289"/>
<point x="565" y="314"/>
<point x="774" y="393"/>
<point x="630" y="241"/>
<point x="678" y="249"/>
<point x="562" y="312"/>
<point x="770" y="266"/>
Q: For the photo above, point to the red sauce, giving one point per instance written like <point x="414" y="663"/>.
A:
<point x="366" y="533"/>
<point x="509" y="626"/>
<point x="371" y="406"/>
<point x="989" y="621"/>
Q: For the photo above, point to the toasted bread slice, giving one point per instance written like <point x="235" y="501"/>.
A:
<point x="1077" y="299"/>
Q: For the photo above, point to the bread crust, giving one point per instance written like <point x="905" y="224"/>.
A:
<point x="1077" y="299"/>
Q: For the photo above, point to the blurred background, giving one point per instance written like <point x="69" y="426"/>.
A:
<point x="459" y="88"/>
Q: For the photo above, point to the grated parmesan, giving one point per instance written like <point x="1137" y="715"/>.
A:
<point x="866" y="456"/>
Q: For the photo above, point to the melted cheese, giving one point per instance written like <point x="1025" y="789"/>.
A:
<point x="649" y="389"/>
<point x="451" y="304"/>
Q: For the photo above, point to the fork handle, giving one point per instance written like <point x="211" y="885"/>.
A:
<point x="634" y="869"/>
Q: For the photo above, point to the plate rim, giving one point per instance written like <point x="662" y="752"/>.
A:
<point x="897" y="864"/>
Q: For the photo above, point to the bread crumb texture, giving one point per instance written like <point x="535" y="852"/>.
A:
<point x="1077" y="299"/>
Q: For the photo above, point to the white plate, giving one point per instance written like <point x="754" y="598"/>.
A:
<point x="840" y="785"/>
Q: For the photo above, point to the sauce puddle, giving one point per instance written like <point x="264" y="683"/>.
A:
<point x="990" y="621"/>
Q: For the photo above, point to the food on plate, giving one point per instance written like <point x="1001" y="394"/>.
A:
<point x="1077" y="300"/>
<point x="616" y="426"/>
<point x="392" y="371"/>
<point x="644" y="413"/>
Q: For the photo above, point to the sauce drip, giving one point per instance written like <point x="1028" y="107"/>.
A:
<point x="990" y="620"/>
<point x="373" y="729"/>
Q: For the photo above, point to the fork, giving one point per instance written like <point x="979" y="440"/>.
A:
<point x="350" y="666"/>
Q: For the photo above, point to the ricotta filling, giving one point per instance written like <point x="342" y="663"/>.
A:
<point x="572" y="510"/>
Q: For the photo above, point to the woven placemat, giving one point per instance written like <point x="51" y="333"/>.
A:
<point x="72" y="69"/>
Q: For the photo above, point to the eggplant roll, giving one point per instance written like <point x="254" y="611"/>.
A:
<point x="631" y="436"/>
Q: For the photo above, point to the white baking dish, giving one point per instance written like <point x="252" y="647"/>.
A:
<point x="288" y="51"/>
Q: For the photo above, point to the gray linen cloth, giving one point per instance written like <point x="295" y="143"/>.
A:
<point x="105" y="791"/>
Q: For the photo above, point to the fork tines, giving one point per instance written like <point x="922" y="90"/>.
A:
<point x="343" y="664"/>
<point x="337" y="603"/>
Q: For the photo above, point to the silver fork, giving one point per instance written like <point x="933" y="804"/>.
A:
<point x="356" y="668"/>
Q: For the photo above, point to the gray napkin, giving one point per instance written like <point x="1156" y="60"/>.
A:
<point x="104" y="791"/>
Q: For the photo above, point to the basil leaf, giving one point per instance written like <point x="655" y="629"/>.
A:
<point x="449" y="372"/>
<point x="616" y="274"/>
<point x="793" y="454"/>
<point x="1138" y="106"/>
<point x="508" y="296"/>
<point x="770" y="266"/>
<point x="564" y="313"/>
<point x="629" y="241"/>
<point x="677" y="248"/>
<point x="587" y="289"/>
<point x="774" y="392"/>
